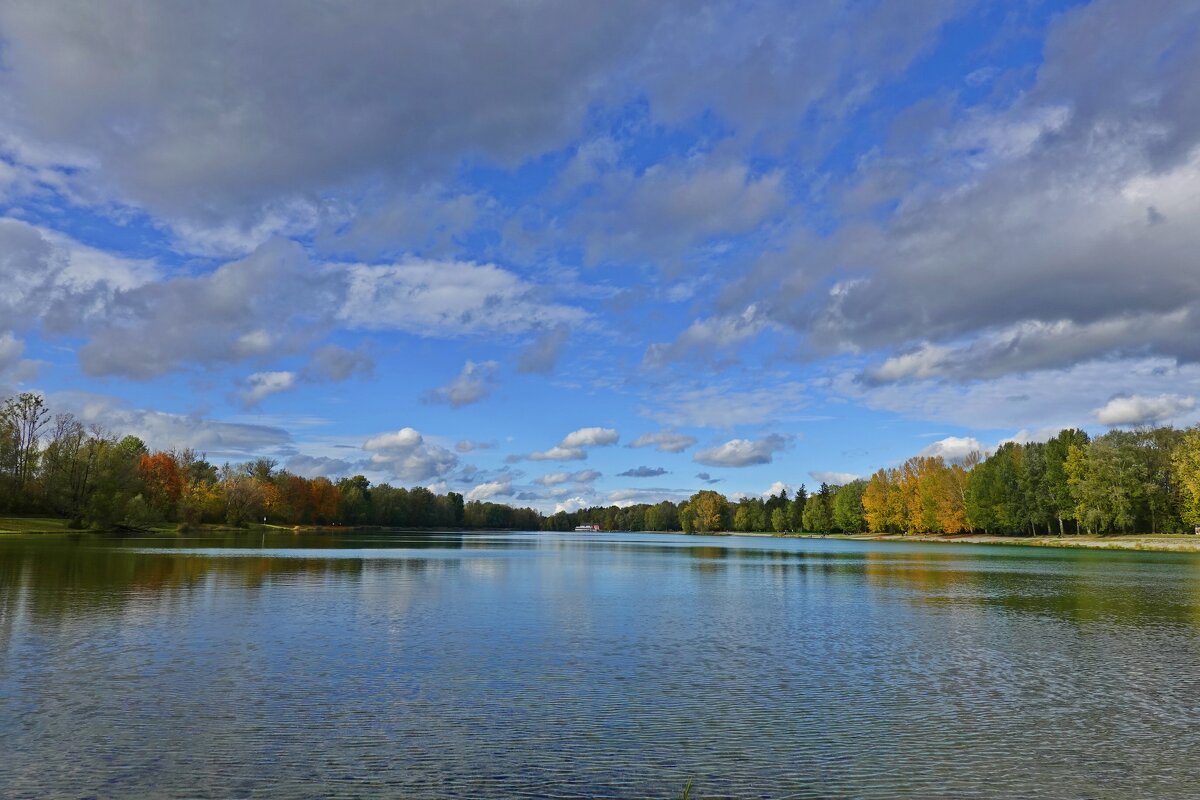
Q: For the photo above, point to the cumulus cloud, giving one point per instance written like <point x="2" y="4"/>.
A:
<point x="708" y="336"/>
<point x="449" y="298"/>
<point x="742" y="452"/>
<point x="473" y="384"/>
<point x="1143" y="410"/>
<point x="262" y="385"/>
<point x="833" y="478"/>
<point x="406" y="455"/>
<point x="642" y="472"/>
<point x="11" y="349"/>
<point x="222" y="316"/>
<point x="1033" y="400"/>
<point x="629" y="497"/>
<point x="395" y="112"/>
<point x="318" y="466"/>
<point x="572" y="504"/>
<point x="704" y="476"/>
<point x="590" y="437"/>
<point x="491" y="489"/>
<point x="954" y="448"/>
<point x="556" y="478"/>
<point x="665" y="441"/>
<point x="573" y="446"/>
<point x="12" y="366"/>
<point x="50" y="279"/>
<point x="1053" y="193"/>
<point x="556" y="454"/>
<point x="163" y="430"/>
<point x="671" y="208"/>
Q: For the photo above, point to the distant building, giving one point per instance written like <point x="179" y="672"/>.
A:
<point x="587" y="528"/>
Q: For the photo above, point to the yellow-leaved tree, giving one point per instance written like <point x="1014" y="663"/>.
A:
<point x="1186" y="462"/>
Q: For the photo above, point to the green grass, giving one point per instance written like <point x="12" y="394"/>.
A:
<point x="32" y="525"/>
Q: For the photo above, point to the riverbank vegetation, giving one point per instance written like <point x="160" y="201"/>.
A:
<point x="53" y="466"/>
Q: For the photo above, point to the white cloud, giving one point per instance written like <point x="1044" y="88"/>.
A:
<point x="629" y="497"/>
<point x="558" y="454"/>
<point x="955" y="448"/>
<point x="573" y="445"/>
<point x="262" y="385"/>
<point x="318" y="466"/>
<point x="449" y="298"/>
<point x="571" y="504"/>
<point x="1034" y="400"/>
<point x="163" y="430"/>
<point x="473" y="384"/>
<point x="742" y="452"/>
<point x="1143" y="410"/>
<point x="833" y="478"/>
<point x="665" y="441"/>
<point x="406" y="455"/>
<point x="556" y="478"/>
<point x="707" y="337"/>
<point x="669" y="209"/>
<point x="491" y="489"/>
<point x="223" y="316"/>
<point x="11" y="350"/>
<point x="590" y="437"/>
<point x="777" y="487"/>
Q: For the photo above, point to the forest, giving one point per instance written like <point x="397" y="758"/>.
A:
<point x="1138" y="481"/>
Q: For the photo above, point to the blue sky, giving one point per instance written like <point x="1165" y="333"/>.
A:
<point x="518" y="249"/>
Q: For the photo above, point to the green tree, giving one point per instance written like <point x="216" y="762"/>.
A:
<point x="848" y="507"/>
<point x="818" y="512"/>
<point x="1058" y="488"/>
<point x="23" y="419"/>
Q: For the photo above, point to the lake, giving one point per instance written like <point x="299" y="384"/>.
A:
<point x="593" y="665"/>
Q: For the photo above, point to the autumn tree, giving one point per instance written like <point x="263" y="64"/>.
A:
<point x="1185" y="460"/>
<point x="708" y="511"/>
<point x="162" y="484"/>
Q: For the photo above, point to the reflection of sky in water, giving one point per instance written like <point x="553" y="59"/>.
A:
<point x="488" y="666"/>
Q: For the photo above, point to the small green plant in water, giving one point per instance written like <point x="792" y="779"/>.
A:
<point x="686" y="794"/>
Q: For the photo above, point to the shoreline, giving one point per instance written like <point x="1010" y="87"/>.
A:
<point x="1151" y="542"/>
<point x="1146" y="542"/>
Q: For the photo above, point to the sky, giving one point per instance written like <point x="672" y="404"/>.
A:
<point x="565" y="254"/>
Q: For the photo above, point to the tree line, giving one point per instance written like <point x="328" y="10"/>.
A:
<point x="1144" y="480"/>
<point x="55" y="465"/>
<point x="1140" y="481"/>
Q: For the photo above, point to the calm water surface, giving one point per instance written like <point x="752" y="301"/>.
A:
<point x="597" y="665"/>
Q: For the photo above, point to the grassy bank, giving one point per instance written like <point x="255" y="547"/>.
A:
<point x="1169" y="543"/>
<point x="55" y="525"/>
<point x="33" y="525"/>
